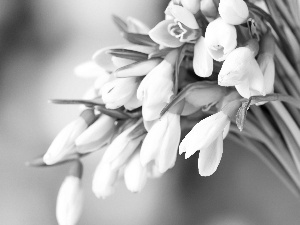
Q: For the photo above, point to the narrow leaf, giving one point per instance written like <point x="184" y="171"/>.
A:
<point x="139" y="39"/>
<point x="121" y="24"/>
<point x="127" y="54"/>
<point x="77" y="102"/>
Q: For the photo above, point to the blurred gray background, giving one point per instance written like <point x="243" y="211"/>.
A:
<point x="41" y="42"/>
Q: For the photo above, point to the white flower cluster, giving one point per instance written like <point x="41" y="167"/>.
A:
<point x="140" y="94"/>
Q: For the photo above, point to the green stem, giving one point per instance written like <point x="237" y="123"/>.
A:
<point x="286" y="117"/>
<point x="288" y="137"/>
<point x="275" y="97"/>
<point x="281" y="155"/>
<point x="262" y="152"/>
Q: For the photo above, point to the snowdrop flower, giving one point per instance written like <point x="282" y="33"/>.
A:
<point x="70" y="200"/>
<point x="220" y="39"/>
<point x="241" y="70"/>
<point x="202" y="62"/>
<point x="233" y="12"/>
<point x="174" y="32"/>
<point x="161" y="142"/>
<point x="159" y="80"/>
<point x="135" y="175"/>
<point x="96" y="135"/>
<point x="206" y="136"/>
<point x="209" y="8"/>
<point x="119" y="91"/>
<point x="64" y="142"/>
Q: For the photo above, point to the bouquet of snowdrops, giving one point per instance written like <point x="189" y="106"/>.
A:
<point x="213" y="69"/>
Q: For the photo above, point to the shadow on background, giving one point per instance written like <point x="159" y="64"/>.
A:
<point x="40" y="44"/>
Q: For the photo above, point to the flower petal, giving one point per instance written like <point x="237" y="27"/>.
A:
<point x="210" y="157"/>
<point x="184" y="16"/>
<point x="152" y="141"/>
<point x="160" y="35"/>
<point x="192" y="5"/>
<point x="202" y="62"/>
<point x="135" y="175"/>
<point x="234" y="12"/>
<point x="169" y="146"/>
<point x="244" y="89"/>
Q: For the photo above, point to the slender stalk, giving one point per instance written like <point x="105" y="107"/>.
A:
<point x="288" y="137"/>
<point x="285" y="81"/>
<point x="268" y="159"/>
<point x="285" y="46"/>
<point x="287" y="16"/>
<point x="275" y="97"/>
<point x="288" y="68"/>
<point x="286" y="117"/>
<point x="282" y="156"/>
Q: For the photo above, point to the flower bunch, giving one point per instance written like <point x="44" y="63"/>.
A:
<point x="205" y="68"/>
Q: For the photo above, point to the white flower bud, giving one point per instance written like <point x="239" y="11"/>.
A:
<point x="64" y="142"/>
<point x="69" y="201"/>
<point x="220" y="39"/>
<point x="234" y="12"/>
<point x="209" y="8"/>
<point x="159" y="80"/>
<point x="96" y="135"/>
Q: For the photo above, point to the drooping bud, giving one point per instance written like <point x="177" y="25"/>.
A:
<point x="233" y="12"/>
<point x="64" y="142"/>
<point x="70" y="198"/>
<point x="96" y="135"/>
<point x="209" y="8"/>
<point x="159" y="80"/>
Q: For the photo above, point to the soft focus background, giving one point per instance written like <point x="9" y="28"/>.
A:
<point x="40" y="44"/>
